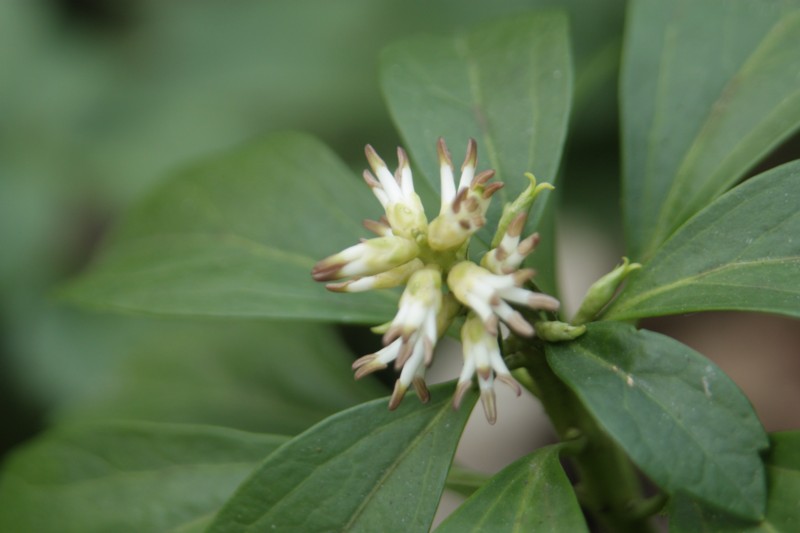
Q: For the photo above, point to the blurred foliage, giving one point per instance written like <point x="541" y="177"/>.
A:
<point x="101" y="98"/>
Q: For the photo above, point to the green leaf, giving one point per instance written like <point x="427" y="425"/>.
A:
<point x="237" y="236"/>
<point x="674" y="412"/>
<point x="365" y="469"/>
<point x="125" y="477"/>
<point x="258" y="376"/>
<point x="783" y="473"/>
<point x="742" y="252"/>
<point x="708" y="87"/>
<point x="507" y="84"/>
<point x="532" y="494"/>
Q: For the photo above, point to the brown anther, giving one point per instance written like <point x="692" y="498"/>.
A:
<point x="489" y="407"/>
<point x="543" y="301"/>
<point x="392" y="334"/>
<point x="371" y="180"/>
<point x="444" y="153"/>
<point x="517" y="225"/>
<point x="421" y="389"/>
<point x="471" y="203"/>
<point x="519" y="325"/>
<point x="459" y="199"/>
<point x="376" y="227"/>
<point x="511" y="382"/>
<point x="402" y="163"/>
<point x="500" y="254"/>
<point x="522" y="275"/>
<point x="397" y="395"/>
<point x="464" y="224"/>
<point x="402" y="157"/>
<point x="485" y="373"/>
<point x="323" y="271"/>
<point x="471" y="158"/>
<point x="363" y="360"/>
<point x="373" y="158"/>
<point x="339" y="287"/>
<point x="403" y="356"/>
<point x="481" y="178"/>
<point x="461" y="390"/>
<point x="366" y="370"/>
<point x="528" y="245"/>
<point x="492" y="188"/>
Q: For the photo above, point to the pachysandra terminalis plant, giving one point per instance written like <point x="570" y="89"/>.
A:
<point x="431" y="260"/>
<point x="650" y="427"/>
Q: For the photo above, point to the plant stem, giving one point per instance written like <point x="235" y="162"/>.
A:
<point x="465" y="481"/>
<point x="609" y="487"/>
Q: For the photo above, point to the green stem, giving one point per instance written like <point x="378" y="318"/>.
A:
<point x="464" y="480"/>
<point x="609" y="486"/>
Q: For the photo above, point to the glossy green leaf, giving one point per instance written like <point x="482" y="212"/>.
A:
<point x="507" y="84"/>
<point x="675" y="413"/>
<point x="257" y="376"/>
<point x="708" y="88"/>
<point x="783" y="502"/>
<point x="742" y="252"/>
<point x="532" y="494"/>
<point x="365" y="469"/>
<point x="126" y="477"/>
<point x="237" y="236"/>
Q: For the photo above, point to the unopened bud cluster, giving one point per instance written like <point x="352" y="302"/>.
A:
<point x="440" y="282"/>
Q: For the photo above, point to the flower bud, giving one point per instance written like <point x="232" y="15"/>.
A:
<point x="556" y="331"/>
<point x="602" y="292"/>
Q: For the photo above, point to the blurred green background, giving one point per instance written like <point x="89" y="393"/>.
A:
<point x="100" y="99"/>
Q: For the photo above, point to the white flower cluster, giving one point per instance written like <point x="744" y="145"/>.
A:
<point x="408" y="250"/>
